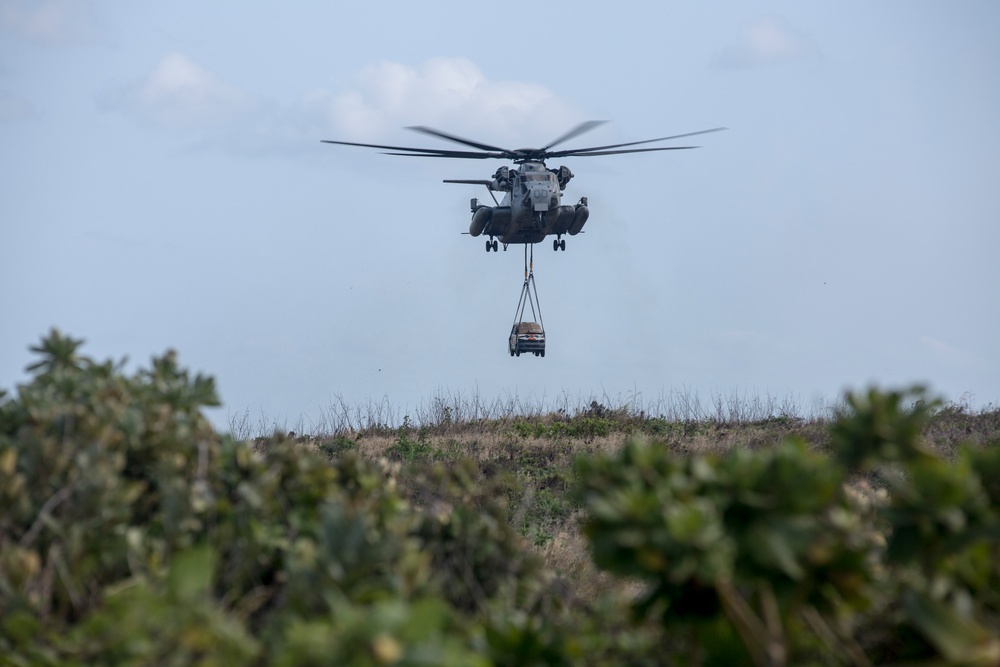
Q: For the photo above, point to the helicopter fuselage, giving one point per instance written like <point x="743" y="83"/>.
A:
<point x="531" y="207"/>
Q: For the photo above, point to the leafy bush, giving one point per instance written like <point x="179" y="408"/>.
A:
<point x="773" y="557"/>
<point x="132" y="534"/>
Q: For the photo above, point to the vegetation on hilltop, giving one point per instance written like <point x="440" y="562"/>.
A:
<point x="132" y="533"/>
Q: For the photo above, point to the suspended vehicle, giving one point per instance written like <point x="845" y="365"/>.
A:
<point x="531" y="208"/>
<point x="527" y="337"/>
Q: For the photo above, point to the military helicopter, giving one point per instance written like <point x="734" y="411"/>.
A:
<point x="531" y="207"/>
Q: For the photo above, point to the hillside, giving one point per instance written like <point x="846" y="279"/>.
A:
<point x="527" y="459"/>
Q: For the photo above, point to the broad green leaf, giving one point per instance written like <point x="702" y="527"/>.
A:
<point x="192" y="572"/>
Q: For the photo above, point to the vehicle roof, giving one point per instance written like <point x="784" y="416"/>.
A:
<point x="529" y="327"/>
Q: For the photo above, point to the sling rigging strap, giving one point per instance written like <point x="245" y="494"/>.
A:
<point x="529" y="293"/>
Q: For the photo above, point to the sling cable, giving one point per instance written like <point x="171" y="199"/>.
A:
<point x="528" y="336"/>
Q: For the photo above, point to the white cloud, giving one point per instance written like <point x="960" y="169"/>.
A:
<point x="452" y="94"/>
<point x="180" y="93"/>
<point x="13" y="108"/>
<point x="50" y="22"/>
<point x="765" y="41"/>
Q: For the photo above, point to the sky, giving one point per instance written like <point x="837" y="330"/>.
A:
<point x="163" y="186"/>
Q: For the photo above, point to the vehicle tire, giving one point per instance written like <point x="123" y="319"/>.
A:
<point x="518" y="353"/>
<point x="543" y="353"/>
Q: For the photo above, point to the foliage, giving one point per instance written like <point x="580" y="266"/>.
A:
<point x="131" y="533"/>
<point x="771" y="556"/>
<point x="408" y="449"/>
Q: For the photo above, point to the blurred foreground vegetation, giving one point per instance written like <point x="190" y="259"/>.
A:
<point x="131" y="533"/>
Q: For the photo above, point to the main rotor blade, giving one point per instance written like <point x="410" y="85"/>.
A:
<point x="539" y="154"/>
<point x="629" y="150"/>
<point x="585" y="126"/>
<point x="634" y="143"/>
<point x="391" y="148"/>
<point x="451" y="137"/>
<point x="468" y="155"/>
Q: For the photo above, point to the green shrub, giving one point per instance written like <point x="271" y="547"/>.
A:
<point x="132" y="534"/>
<point x="770" y="556"/>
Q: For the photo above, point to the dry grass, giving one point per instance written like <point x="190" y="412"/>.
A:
<point x="455" y="412"/>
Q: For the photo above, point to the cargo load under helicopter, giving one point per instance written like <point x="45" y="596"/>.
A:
<point x="527" y="336"/>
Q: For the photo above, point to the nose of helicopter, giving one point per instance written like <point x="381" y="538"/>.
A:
<point x="544" y="195"/>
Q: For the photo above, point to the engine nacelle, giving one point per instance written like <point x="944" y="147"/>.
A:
<point x="502" y="179"/>
<point x="563" y="175"/>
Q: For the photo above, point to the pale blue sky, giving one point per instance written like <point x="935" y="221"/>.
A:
<point x="163" y="185"/>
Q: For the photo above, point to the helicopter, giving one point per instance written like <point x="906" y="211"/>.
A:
<point x="532" y="207"/>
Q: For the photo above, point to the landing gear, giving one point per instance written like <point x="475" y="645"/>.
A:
<point x="559" y="244"/>
<point x="492" y="245"/>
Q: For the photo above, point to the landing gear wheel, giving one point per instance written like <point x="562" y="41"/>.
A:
<point x="494" y="245"/>
<point x="555" y="245"/>
<point x="562" y="245"/>
<point x="489" y="246"/>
